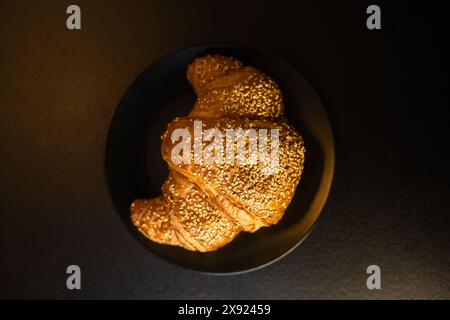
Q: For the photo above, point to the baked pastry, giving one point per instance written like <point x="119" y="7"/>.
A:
<point x="223" y="179"/>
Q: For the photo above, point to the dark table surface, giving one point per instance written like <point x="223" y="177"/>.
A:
<point x="386" y="92"/>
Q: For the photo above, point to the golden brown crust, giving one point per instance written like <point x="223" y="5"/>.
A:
<point x="245" y="192"/>
<point x="242" y="93"/>
<point x="195" y="218"/>
<point x="205" y="205"/>
<point x="205" y="69"/>
<point x="152" y="219"/>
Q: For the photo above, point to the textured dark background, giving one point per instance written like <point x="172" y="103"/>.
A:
<point x="386" y="92"/>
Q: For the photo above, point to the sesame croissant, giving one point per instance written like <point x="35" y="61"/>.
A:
<point x="235" y="161"/>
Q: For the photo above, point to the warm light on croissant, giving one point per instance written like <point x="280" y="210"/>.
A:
<point x="235" y="161"/>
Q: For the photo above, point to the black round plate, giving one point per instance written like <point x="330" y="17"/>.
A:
<point x="135" y="169"/>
